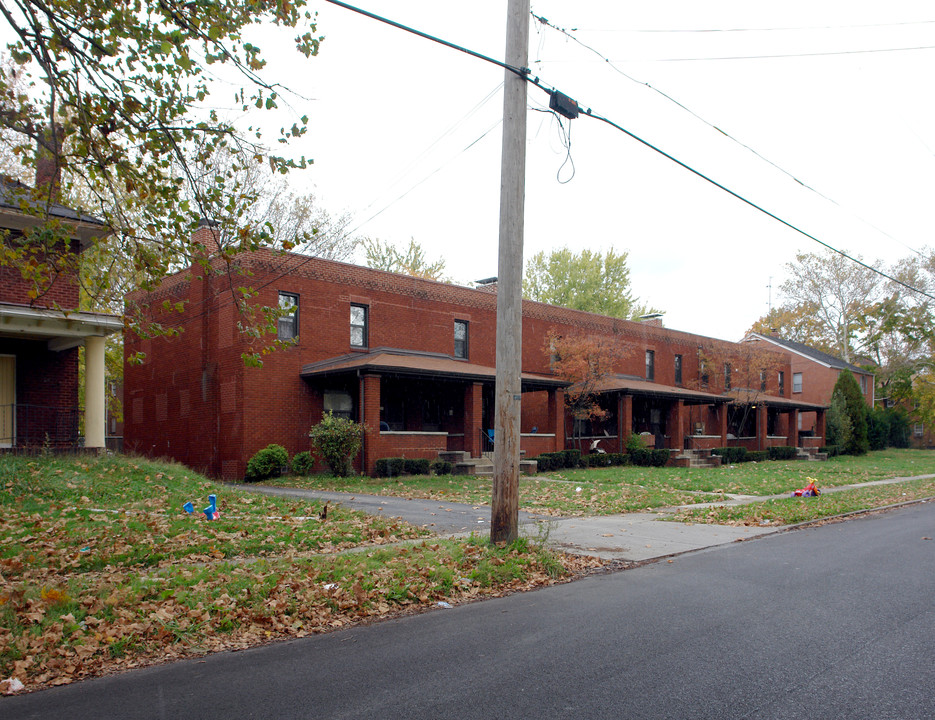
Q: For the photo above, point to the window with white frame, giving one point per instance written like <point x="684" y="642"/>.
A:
<point x="287" y="327"/>
<point x="796" y="382"/>
<point x="918" y="429"/>
<point x="359" y="330"/>
<point x="650" y="365"/>
<point x="461" y="339"/>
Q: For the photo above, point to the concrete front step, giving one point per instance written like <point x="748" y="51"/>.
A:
<point x="482" y="467"/>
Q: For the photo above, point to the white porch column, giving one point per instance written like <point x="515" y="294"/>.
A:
<point x="94" y="416"/>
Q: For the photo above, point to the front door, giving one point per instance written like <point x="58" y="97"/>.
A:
<point x="7" y="400"/>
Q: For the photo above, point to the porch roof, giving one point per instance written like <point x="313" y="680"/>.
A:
<point x="59" y="329"/>
<point x="737" y="397"/>
<point x="390" y="361"/>
<point x="629" y="385"/>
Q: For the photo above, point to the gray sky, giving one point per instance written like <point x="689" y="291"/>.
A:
<point x="405" y="136"/>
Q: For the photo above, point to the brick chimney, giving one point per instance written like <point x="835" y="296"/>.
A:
<point x="487" y="284"/>
<point x="49" y="163"/>
<point x="208" y="236"/>
<point x="653" y="319"/>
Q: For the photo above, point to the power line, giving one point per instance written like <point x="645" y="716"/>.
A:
<point x="691" y="112"/>
<point x="764" y="29"/>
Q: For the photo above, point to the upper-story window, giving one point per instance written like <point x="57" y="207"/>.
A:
<point x="796" y="382"/>
<point x="650" y="365"/>
<point x="863" y="384"/>
<point x="461" y="338"/>
<point x="782" y="383"/>
<point x="727" y="376"/>
<point x="287" y="328"/>
<point x="678" y="369"/>
<point x="359" y="329"/>
<point x="762" y="381"/>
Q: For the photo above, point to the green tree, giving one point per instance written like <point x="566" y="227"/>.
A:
<point x="382" y="255"/>
<point x="838" y="422"/>
<point x="857" y="411"/>
<point x="589" y="281"/>
<point x="117" y="98"/>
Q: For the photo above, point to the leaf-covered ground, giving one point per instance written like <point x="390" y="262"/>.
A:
<point x="612" y="490"/>
<point x="101" y="568"/>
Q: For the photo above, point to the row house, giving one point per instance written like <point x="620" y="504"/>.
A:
<point x="42" y="329"/>
<point x="414" y="361"/>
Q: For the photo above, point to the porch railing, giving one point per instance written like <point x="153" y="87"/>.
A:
<point x="25" y="425"/>
<point x="486" y="441"/>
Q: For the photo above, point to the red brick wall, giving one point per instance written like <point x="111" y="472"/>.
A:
<point x="218" y="412"/>
<point x="61" y="292"/>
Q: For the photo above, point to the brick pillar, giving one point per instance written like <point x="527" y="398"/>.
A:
<point x="557" y="417"/>
<point x="624" y="420"/>
<point x="721" y="411"/>
<point x="676" y="425"/>
<point x="370" y="416"/>
<point x="793" y="434"/>
<point x="761" y="426"/>
<point x="473" y="418"/>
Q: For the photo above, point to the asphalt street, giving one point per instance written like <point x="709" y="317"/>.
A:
<point x="832" y="621"/>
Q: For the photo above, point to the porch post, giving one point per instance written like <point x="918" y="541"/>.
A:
<point x="676" y="423"/>
<point x="473" y="418"/>
<point x="94" y="415"/>
<point x="820" y="425"/>
<point x="721" y="412"/>
<point x="793" y="435"/>
<point x="761" y="426"/>
<point x="370" y="416"/>
<point x="557" y="417"/>
<point x="624" y="420"/>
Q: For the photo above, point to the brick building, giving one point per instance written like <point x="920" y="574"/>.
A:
<point x="40" y="333"/>
<point x="814" y="374"/>
<point x="414" y="360"/>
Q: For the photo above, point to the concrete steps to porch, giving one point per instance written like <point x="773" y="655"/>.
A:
<point x="463" y="464"/>
<point x="696" y="459"/>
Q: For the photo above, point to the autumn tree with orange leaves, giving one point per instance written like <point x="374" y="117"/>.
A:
<point x="585" y="362"/>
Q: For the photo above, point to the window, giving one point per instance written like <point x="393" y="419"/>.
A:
<point x="288" y="325"/>
<point x="796" y="382"/>
<point x="678" y="369"/>
<point x="359" y="326"/>
<point x="762" y="381"/>
<point x="461" y="339"/>
<point x="863" y="384"/>
<point x="727" y="376"/>
<point x="782" y="383"/>
<point x="650" y="365"/>
<point x="339" y="403"/>
<point x="918" y="429"/>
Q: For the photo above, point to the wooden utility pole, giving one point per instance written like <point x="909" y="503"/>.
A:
<point x="504" y="514"/>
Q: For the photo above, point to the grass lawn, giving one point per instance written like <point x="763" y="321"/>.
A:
<point x="100" y="567"/>
<point x="602" y="491"/>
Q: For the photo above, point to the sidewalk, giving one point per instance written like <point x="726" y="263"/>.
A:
<point x="632" y="536"/>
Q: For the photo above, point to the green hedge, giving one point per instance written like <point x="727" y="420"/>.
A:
<point x="731" y="454"/>
<point x="757" y="456"/>
<point x="303" y="463"/>
<point x="390" y="467"/>
<point x="782" y="452"/>
<point x="417" y="466"/>
<point x="830" y="450"/>
<point x="441" y="467"/>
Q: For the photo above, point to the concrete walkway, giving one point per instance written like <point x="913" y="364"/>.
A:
<point x="632" y="537"/>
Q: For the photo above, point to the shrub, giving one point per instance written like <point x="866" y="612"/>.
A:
<point x="732" y="454"/>
<point x="756" y="456"/>
<point x="618" y="459"/>
<point x="337" y="441"/>
<point x="642" y="457"/>
<point x="390" y="467"/>
<point x="269" y="462"/>
<point x="416" y="466"/>
<point x="572" y="458"/>
<point x="782" y="452"/>
<point x="544" y="462"/>
<point x="597" y="459"/>
<point x="830" y="450"/>
<point x="658" y="458"/>
<point x="303" y="463"/>
<point x="441" y="467"/>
